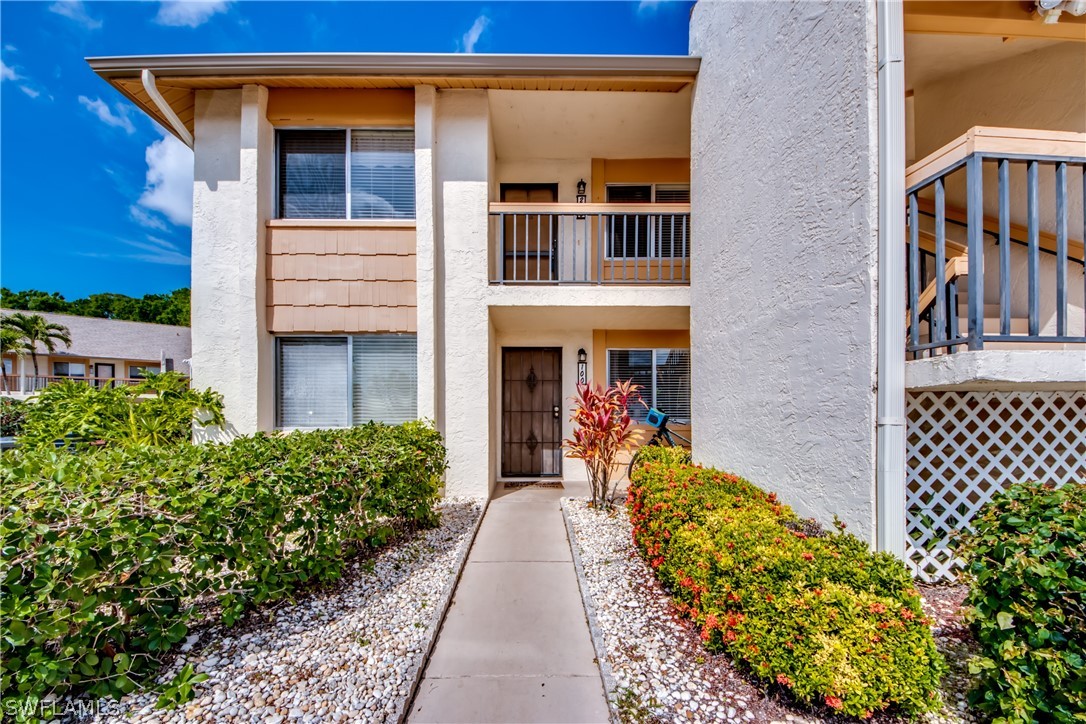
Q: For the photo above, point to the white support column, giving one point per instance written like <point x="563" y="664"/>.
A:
<point x="425" y="252"/>
<point x="462" y="173"/>
<point x="232" y="200"/>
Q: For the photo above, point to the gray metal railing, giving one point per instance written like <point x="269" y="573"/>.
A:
<point x="590" y="243"/>
<point x="946" y="245"/>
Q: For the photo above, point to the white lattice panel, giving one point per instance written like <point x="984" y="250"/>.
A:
<point x="963" y="447"/>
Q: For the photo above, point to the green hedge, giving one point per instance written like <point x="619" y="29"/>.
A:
<point x="816" y="613"/>
<point x="1027" y="565"/>
<point x="159" y="410"/>
<point x="106" y="552"/>
<point x="12" y="416"/>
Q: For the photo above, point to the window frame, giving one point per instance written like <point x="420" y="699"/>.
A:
<point x="53" y="369"/>
<point x="129" y="368"/>
<point x="655" y="379"/>
<point x="347" y="130"/>
<point x="653" y="246"/>
<point x="349" y="351"/>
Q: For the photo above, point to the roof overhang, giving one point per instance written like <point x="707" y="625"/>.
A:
<point x="178" y="77"/>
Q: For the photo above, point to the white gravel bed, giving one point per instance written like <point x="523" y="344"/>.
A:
<point x="660" y="670"/>
<point x="348" y="652"/>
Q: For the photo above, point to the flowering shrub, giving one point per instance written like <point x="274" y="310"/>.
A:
<point x="604" y="430"/>
<point x="813" y="612"/>
<point x="1027" y="565"/>
<point x="107" y="552"/>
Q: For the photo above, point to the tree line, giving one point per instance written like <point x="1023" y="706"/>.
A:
<point x="172" y="308"/>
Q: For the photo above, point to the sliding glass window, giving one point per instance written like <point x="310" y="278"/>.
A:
<point x="342" y="381"/>
<point x="663" y="375"/>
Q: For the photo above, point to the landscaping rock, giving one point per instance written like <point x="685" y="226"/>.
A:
<point x="347" y="652"/>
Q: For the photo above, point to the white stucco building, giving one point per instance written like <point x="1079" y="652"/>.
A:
<point x="741" y="230"/>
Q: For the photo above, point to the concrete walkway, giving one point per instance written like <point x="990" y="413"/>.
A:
<point x="515" y="645"/>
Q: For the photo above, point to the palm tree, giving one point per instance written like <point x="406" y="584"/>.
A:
<point x="11" y="343"/>
<point x="33" y="329"/>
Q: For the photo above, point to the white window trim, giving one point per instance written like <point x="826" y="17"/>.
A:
<point x="347" y="162"/>
<point x="655" y="380"/>
<point x="652" y="255"/>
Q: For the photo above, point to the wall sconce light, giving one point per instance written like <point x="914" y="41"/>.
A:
<point x="582" y="367"/>
<point x="582" y="195"/>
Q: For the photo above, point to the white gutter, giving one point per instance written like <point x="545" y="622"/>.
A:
<point x="890" y="396"/>
<point x="148" y="79"/>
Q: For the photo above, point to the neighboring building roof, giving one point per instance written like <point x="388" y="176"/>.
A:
<point x="178" y="77"/>
<point x="118" y="339"/>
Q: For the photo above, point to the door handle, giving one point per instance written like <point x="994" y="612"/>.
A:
<point x="557" y="412"/>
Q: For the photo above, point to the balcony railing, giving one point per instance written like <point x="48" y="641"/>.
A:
<point x="590" y="243"/>
<point x="1034" y="294"/>
<point x="36" y="383"/>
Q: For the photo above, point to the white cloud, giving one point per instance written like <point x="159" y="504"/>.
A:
<point x="648" y="6"/>
<point x="188" y="13"/>
<point x="74" y="10"/>
<point x="7" y="72"/>
<point x="474" y="32"/>
<point x="169" y="181"/>
<point x="106" y="115"/>
<point x="32" y="92"/>
<point x="150" y="249"/>
<point x="146" y="218"/>
<point x="10" y="48"/>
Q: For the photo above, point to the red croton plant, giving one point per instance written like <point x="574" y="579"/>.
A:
<point x="604" y="431"/>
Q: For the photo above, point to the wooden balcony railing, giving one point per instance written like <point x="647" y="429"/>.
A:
<point x="946" y="245"/>
<point x="25" y="385"/>
<point x="590" y="243"/>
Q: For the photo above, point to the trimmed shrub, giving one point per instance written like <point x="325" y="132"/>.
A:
<point x="107" y="553"/>
<point x="1026" y="561"/>
<point x="814" y="612"/>
<point x="12" y="415"/>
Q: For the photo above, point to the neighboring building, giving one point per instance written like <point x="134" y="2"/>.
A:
<point x="463" y="237"/>
<point x="103" y="352"/>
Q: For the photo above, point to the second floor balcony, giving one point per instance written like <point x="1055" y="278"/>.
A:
<point x="539" y="243"/>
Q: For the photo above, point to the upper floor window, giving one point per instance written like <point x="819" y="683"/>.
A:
<point x="346" y="174"/>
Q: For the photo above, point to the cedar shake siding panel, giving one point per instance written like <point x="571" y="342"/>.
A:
<point x="323" y="279"/>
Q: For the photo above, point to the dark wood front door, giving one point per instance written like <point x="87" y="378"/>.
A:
<point x="531" y="411"/>
<point x="531" y="240"/>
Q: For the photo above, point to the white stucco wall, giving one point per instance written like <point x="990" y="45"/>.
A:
<point x="784" y="198"/>
<point x="1041" y="89"/>
<point x="462" y="154"/>
<point x="999" y="370"/>
<point x="232" y="200"/>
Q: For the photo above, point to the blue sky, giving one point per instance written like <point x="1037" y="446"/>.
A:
<point x="95" y="198"/>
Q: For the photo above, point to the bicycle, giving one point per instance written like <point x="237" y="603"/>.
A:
<point x="662" y="435"/>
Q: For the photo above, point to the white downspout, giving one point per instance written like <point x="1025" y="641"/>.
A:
<point x="148" y="79"/>
<point x="890" y="398"/>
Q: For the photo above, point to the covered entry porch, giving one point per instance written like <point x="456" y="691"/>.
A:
<point x="539" y="353"/>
